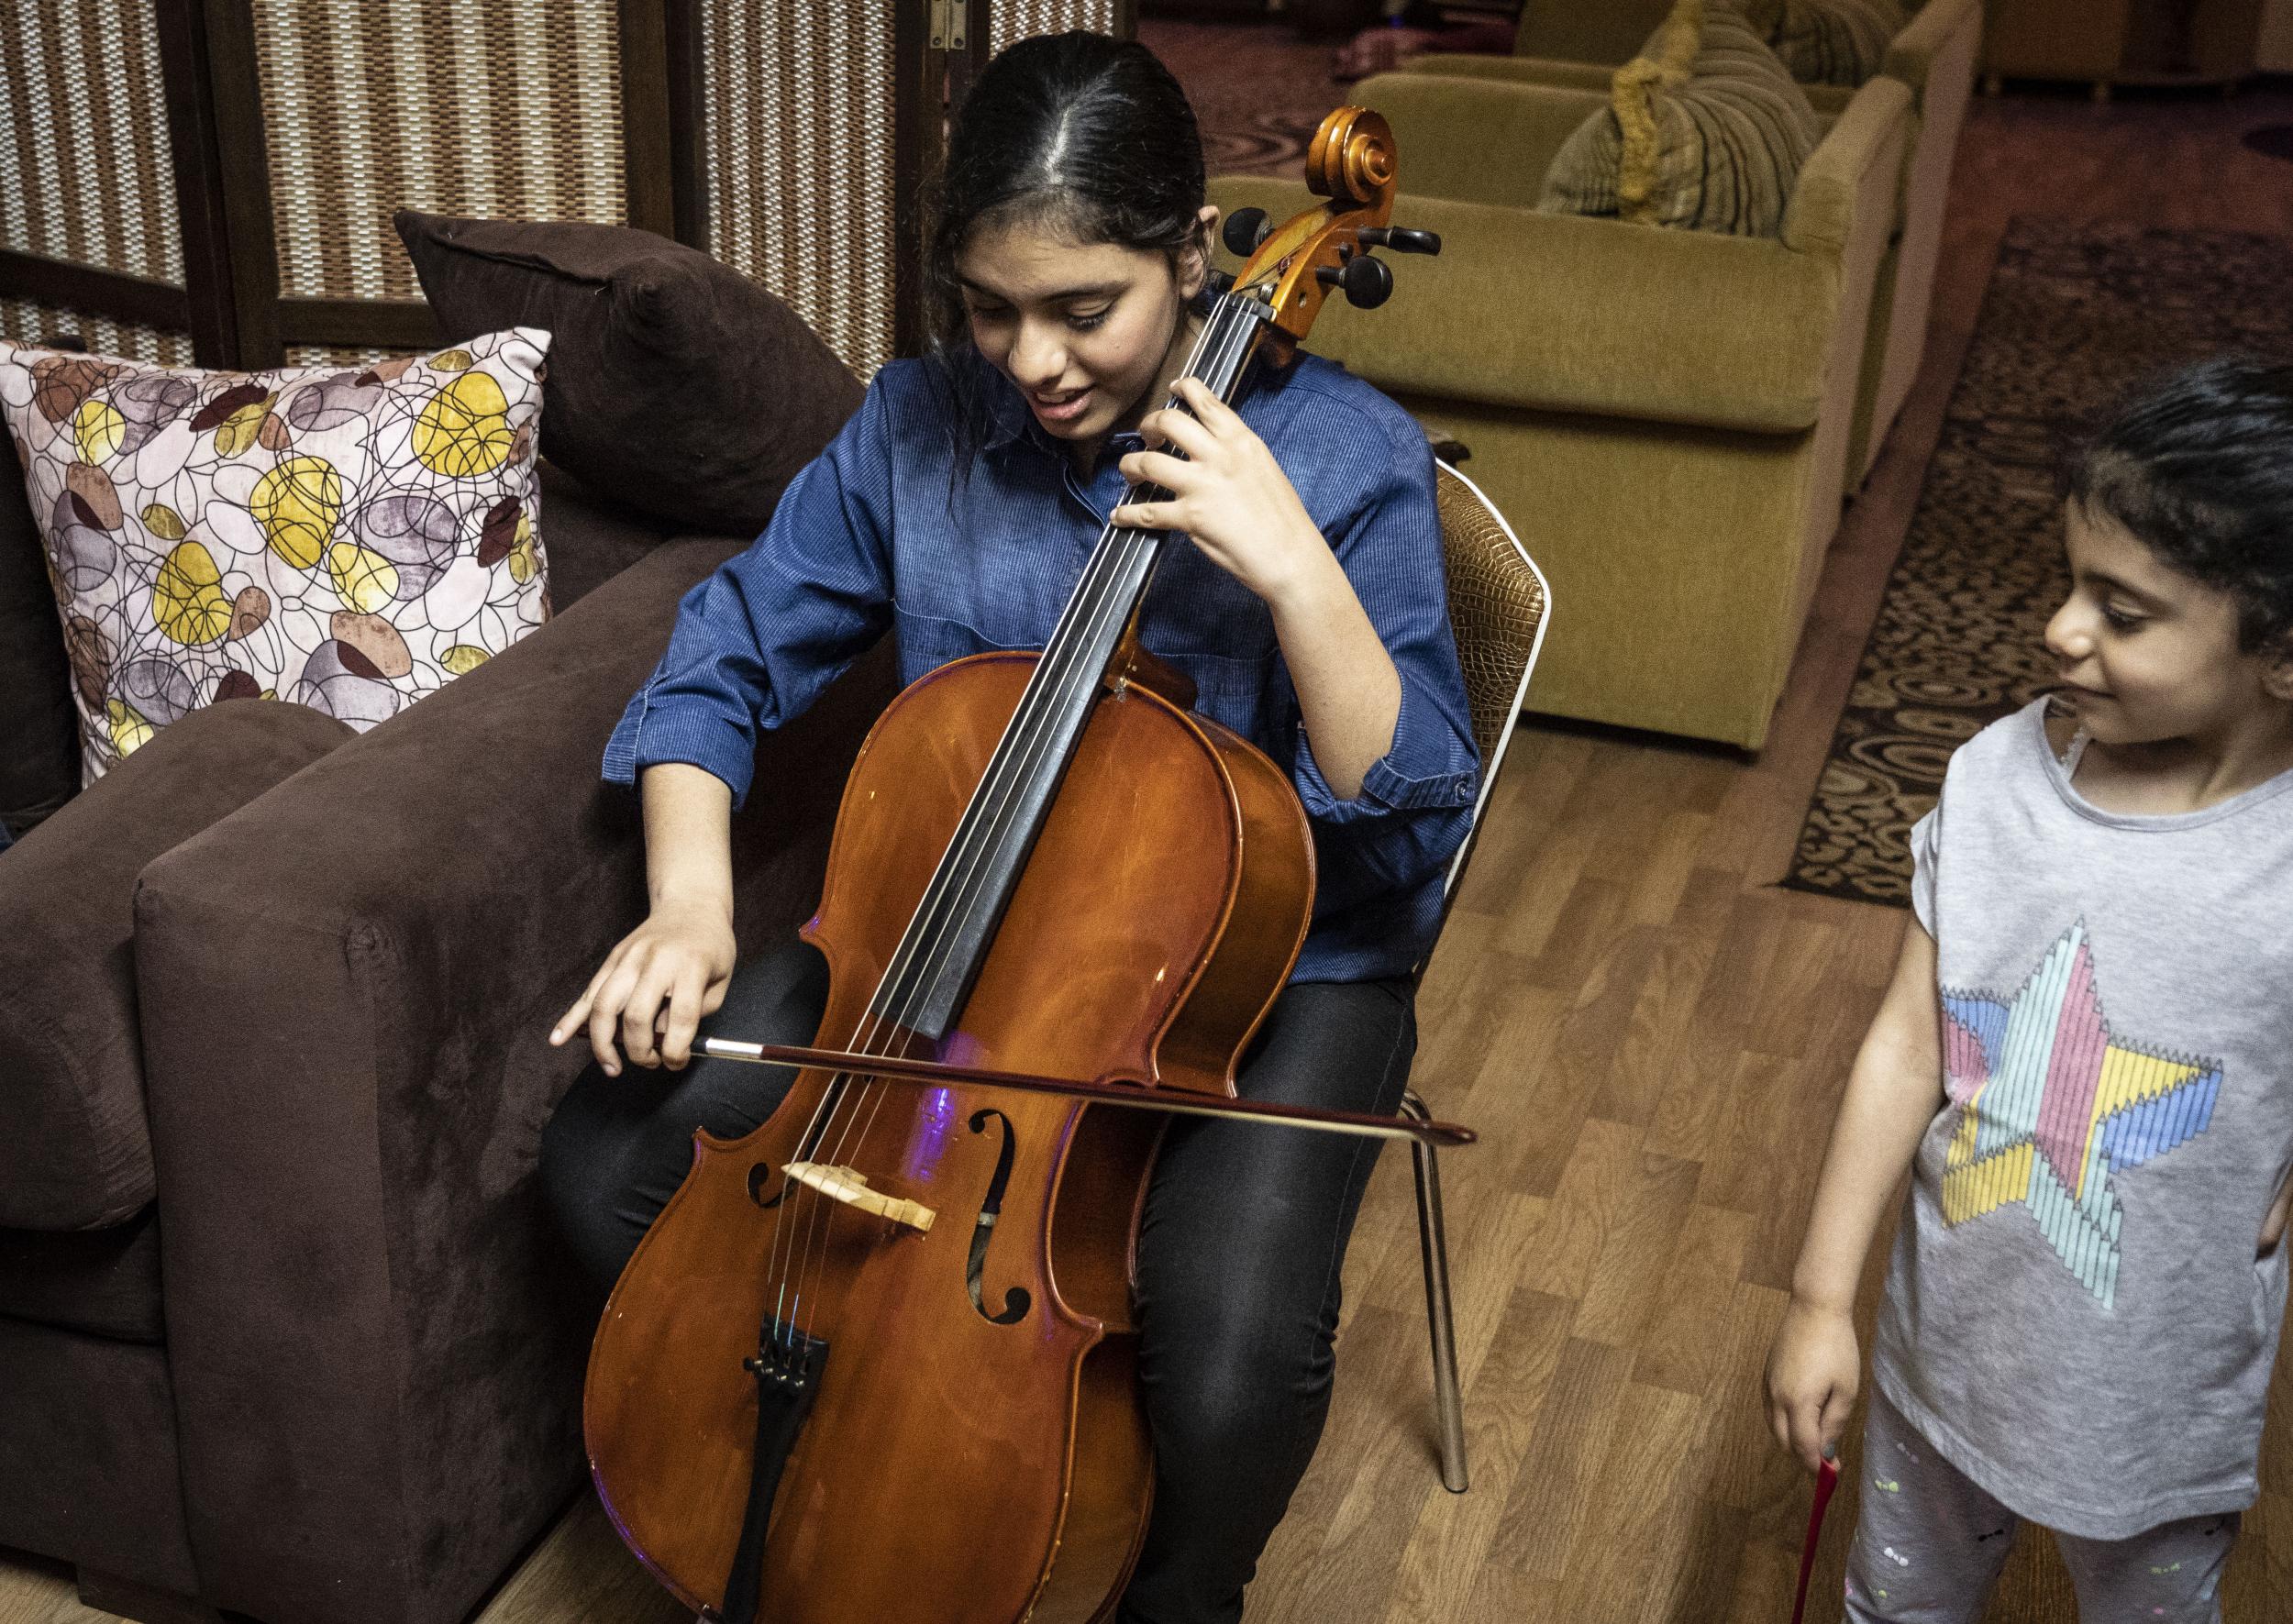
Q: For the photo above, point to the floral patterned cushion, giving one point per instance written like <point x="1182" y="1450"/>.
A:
<point x="348" y="539"/>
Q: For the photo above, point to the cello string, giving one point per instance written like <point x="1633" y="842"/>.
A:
<point x="920" y="932"/>
<point x="1042" y="693"/>
<point x="1039" y="708"/>
<point x="1227" y="340"/>
<point x="1008" y="773"/>
<point x="1042" y="685"/>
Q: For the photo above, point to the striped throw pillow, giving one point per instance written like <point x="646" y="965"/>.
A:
<point x="1706" y="132"/>
<point x="1828" y="41"/>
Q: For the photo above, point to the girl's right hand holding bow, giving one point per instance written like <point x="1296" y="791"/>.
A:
<point x="655" y="986"/>
<point x="663" y="978"/>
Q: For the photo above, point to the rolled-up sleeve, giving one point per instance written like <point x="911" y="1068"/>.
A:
<point x="1926" y="853"/>
<point x="757" y="642"/>
<point x="1414" y="803"/>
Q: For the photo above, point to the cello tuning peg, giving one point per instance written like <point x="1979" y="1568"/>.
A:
<point x="1245" y="229"/>
<point x="1401" y="239"/>
<point x="1367" y="282"/>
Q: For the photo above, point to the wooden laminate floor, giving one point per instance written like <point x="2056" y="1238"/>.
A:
<point x="1652" y="1039"/>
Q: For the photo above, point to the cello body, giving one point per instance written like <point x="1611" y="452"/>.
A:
<point x="976" y="1453"/>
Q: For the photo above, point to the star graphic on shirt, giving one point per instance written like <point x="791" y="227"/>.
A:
<point x="2052" y="1103"/>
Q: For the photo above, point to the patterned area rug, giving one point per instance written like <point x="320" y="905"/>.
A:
<point x="2074" y="312"/>
<point x="1258" y="90"/>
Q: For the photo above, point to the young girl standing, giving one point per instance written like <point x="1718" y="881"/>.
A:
<point x="2086" y="1059"/>
<point x="957" y="511"/>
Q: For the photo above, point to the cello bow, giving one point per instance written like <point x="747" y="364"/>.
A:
<point x="1123" y="1094"/>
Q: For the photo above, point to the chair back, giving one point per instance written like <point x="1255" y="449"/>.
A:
<point x="1497" y="606"/>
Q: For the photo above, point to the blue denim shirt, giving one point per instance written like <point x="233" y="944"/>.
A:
<point x="875" y="536"/>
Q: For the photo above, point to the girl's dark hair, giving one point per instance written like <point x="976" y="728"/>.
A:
<point x="2198" y="464"/>
<point x="1080" y="133"/>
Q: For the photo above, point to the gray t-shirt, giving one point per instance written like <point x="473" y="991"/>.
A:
<point x="2075" y="1316"/>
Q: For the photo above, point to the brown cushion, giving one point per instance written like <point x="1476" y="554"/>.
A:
<point x="75" y="1151"/>
<point x="676" y="385"/>
<point x="591" y="537"/>
<point x="104" y="1282"/>
<point x="40" y="741"/>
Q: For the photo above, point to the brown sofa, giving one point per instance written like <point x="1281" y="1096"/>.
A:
<point x="282" y="1327"/>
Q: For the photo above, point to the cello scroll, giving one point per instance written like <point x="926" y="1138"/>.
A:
<point x="1293" y="267"/>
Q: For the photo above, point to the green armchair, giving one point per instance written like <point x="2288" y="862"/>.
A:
<point x="1579" y="45"/>
<point x="1667" y="412"/>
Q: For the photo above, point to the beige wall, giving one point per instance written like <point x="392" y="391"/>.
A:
<point x="2277" y="37"/>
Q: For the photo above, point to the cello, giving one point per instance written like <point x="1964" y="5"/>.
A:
<point x="875" y="1359"/>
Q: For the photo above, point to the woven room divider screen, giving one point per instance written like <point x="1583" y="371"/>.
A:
<point x="1010" y="20"/>
<point x="812" y="172"/>
<point x="524" y="109"/>
<point x="803" y="166"/>
<point x="91" y="241"/>
<point x="214" y="179"/>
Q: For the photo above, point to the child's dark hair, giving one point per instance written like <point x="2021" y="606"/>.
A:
<point x="1080" y="133"/>
<point x="2198" y="464"/>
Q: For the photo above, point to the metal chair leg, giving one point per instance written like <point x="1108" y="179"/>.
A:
<point x="1433" y="1241"/>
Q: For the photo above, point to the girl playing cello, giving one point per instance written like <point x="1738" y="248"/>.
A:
<point x="956" y="509"/>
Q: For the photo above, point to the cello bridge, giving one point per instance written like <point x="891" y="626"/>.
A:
<point x="849" y="1187"/>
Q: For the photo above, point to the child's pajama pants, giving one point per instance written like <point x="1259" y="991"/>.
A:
<point x="1929" y="1545"/>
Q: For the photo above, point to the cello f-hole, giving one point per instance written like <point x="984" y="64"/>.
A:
<point x="1016" y="1301"/>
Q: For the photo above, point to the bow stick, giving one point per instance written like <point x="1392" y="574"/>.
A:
<point x="1127" y="1096"/>
<point x="1826" y="1480"/>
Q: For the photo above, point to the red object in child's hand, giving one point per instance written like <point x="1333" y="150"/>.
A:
<point x="1826" y="1480"/>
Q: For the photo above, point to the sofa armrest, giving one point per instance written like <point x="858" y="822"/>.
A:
<point x="1946" y="32"/>
<point x="75" y="1149"/>
<point x="1486" y="140"/>
<point x="377" y="1342"/>
<point x="1566" y="314"/>
<point x="1829" y="101"/>
<point x="1853" y="174"/>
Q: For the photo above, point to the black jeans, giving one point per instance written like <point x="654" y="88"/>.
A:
<point x="1238" y="1250"/>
